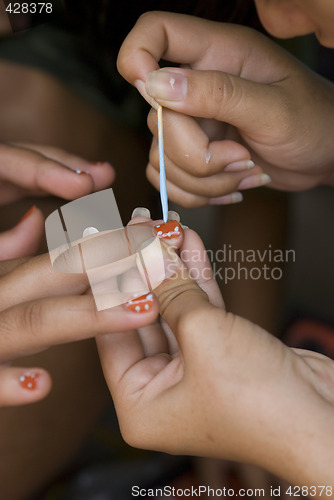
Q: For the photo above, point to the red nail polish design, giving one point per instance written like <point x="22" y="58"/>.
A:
<point x="29" y="381"/>
<point x="26" y="215"/>
<point x="140" y="304"/>
<point x="168" y="230"/>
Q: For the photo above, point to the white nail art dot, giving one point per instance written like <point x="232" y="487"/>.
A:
<point x="29" y="384"/>
<point x="177" y="228"/>
<point x="149" y="296"/>
<point x="137" y="308"/>
<point x="22" y="378"/>
<point x="146" y="307"/>
<point x="158" y="225"/>
<point x="159" y="233"/>
<point x="169" y="234"/>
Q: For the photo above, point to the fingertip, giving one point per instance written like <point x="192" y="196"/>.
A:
<point x="102" y="173"/>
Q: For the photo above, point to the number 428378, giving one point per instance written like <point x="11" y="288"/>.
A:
<point x="29" y="8"/>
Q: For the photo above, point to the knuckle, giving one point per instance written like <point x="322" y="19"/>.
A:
<point x="32" y="318"/>
<point x="222" y="92"/>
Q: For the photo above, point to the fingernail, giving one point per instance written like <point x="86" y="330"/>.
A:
<point x="172" y="215"/>
<point x="228" y="199"/>
<point x="97" y="163"/>
<point x="80" y="172"/>
<point x="89" y="230"/>
<point x="140" y="304"/>
<point x="237" y="166"/>
<point x="170" y="229"/>
<point x="140" y="86"/>
<point x="254" y="181"/>
<point x="141" y="212"/>
<point x="166" y="84"/>
<point x="29" y="381"/>
<point x="26" y="215"/>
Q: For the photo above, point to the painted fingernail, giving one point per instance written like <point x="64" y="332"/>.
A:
<point x="97" y="163"/>
<point x="26" y="215"/>
<point x="238" y="166"/>
<point x="254" y="181"/>
<point x="140" y="304"/>
<point x="170" y="229"/>
<point x="29" y="381"/>
<point x="141" y="212"/>
<point x="228" y="199"/>
<point x="172" y="215"/>
<point x="166" y="84"/>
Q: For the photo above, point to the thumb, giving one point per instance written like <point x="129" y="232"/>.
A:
<point x="25" y="238"/>
<point x="183" y="305"/>
<point x="218" y="95"/>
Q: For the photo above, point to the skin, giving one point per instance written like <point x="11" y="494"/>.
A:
<point x="178" y="391"/>
<point x="41" y="308"/>
<point x="253" y="102"/>
<point x="290" y="18"/>
<point x="28" y="170"/>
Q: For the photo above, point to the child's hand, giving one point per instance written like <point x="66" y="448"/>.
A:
<point x="262" y="105"/>
<point x="226" y="389"/>
<point x="39" y="308"/>
<point x="35" y="170"/>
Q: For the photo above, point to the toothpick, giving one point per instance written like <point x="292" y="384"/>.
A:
<point x="163" y="185"/>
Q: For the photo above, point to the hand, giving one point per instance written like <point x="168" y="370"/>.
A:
<point x="261" y="103"/>
<point x="222" y="387"/>
<point x="39" y="308"/>
<point x="34" y="170"/>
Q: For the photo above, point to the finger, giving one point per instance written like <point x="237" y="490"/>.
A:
<point x="154" y="340"/>
<point x="221" y="96"/>
<point x="35" y="278"/>
<point x="196" y="258"/>
<point x="189" y="147"/>
<point x="170" y="232"/>
<point x="102" y="172"/>
<point x="33" y="326"/>
<point x="186" y="308"/>
<point x="20" y="386"/>
<point x="175" y="193"/>
<point x="212" y="186"/>
<point x="158" y="35"/>
<point x="34" y="172"/>
<point x="165" y="35"/>
<point x="187" y="199"/>
<point x="25" y="238"/>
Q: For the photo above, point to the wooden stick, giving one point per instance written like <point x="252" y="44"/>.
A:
<point x="163" y="184"/>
